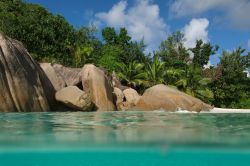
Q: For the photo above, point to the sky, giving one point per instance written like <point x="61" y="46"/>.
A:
<point x="222" y="22"/>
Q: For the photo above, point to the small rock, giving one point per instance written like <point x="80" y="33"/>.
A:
<point x="131" y="96"/>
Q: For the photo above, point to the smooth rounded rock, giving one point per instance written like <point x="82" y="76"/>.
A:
<point x="131" y="96"/>
<point x="74" y="98"/>
<point x="163" y="97"/>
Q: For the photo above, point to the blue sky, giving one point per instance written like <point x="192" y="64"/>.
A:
<point x="222" y="22"/>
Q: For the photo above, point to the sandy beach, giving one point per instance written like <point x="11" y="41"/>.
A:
<point x="225" y="110"/>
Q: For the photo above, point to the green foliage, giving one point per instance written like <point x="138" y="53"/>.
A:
<point x="173" y="52"/>
<point x="194" y="84"/>
<point x="202" y="52"/>
<point x="233" y="84"/>
<point x="48" y="37"/>
<point x="156" y="72"/>
<point x="86" y="48"/>
<point x="42" y="33"/>
<point x="133" y="74"/>
<point x="82" y="55"/>
<point x="135" y="52"/>
<point x="109" y="35"/>
<point x="118" y="48"/>
<point x="109" y="58"/>
<point x="185" y="72"/>
<point x="175" y="77"/>
<point x="243" y="103"/>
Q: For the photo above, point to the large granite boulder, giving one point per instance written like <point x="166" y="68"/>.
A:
<point x="169" y="99"/>
<point x="55" y="79"/>
<point x="21" y="79"/>
<point x="71" y="76"/>
<point x="75" y="98"/>
<point x="96" y="83"/>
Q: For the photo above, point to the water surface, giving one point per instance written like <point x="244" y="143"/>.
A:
<point x="124" y="138"/>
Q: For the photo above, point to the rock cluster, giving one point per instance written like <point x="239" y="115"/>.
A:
<point x="27" y="86"/>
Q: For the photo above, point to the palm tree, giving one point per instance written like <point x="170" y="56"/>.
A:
<point x="132" y="74"/>
<point x="175" y="76"/>
<point x="156" y="72"/>
<point x="195" y="85"/>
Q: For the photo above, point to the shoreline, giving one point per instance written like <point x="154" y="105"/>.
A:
<point x="226" y="111"/>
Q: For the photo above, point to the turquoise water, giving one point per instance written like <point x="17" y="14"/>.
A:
<point x="124" y="138"/>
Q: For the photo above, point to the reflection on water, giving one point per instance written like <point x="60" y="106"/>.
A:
<point x="77" y="129"/>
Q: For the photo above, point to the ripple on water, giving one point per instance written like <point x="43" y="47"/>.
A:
<point x="116" y="128"/>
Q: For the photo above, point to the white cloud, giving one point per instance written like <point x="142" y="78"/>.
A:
<point x="248" y="43"/>
<point x="195" y="30"/>
<point x="142" y="21"/>
<point x="116" y="16"/>
<point x="235" y="12"/>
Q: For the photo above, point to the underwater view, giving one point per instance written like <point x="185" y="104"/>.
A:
<point x="124" y="138"/>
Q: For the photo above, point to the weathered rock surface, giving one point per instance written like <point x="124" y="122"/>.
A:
<point x="131" y="96"/>
<point x="169" y="99"/>
<point x="96" y="83"/>
<point x="116" y="83"/>
<point x="75" y="98"/>
<point x="119" y="96"/>
<point x="71" y="76"/>
<point x="48" y="88"/>
<point x="55" y="79"/>
<point x="127" y="99"/>
<point x="20" y="79"/>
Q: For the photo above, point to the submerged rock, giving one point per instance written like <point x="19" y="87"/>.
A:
<point x="21" y="79"/>
<point x="96" y="83"/>
<point x="75" y="98"/>
<point x="169" y="99"/>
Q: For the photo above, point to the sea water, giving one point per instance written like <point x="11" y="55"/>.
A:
<point x="124" y="138"/>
